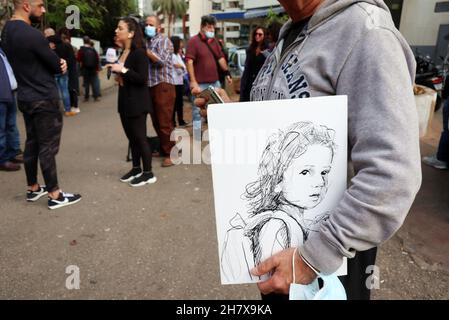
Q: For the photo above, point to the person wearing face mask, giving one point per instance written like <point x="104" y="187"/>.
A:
<point x="161" y="84"/>
<point x="204" y="56"/>
<point x="35" y="66"/>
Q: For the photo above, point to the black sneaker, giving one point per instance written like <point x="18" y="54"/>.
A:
<point x="65" y="199"/>
<point x="33" y="196"/>
<point x="145" y="178"/>
<point x="134" y="173"/>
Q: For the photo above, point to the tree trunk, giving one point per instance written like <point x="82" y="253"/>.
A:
<point x="170" y="24"/>
<point x="184" y="26"/>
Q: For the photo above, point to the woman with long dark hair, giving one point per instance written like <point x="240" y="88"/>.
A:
<point x="134" y="100"/>
<point x="254" y="62"/>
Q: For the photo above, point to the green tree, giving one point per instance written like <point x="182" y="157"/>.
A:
<point x="171" y="9"/>
<point x="115" y="10"/>
<point x="98" y="17"/>
<point x="92" y="13"/>
<point x="6" y="9"/>
<point x="273" y="17"/>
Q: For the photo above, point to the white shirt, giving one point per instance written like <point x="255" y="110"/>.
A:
<point x="179" y="73"/>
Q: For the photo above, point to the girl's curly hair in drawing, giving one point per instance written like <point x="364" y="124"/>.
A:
<point x="281" y="149"/>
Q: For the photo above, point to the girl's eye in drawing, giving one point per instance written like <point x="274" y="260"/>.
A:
<point x="305" y="172"/>
<point x="325" y="172"/>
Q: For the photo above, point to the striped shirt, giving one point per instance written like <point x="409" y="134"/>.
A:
<point x="163" y="70"/>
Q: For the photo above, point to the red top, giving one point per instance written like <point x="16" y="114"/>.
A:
<point x="204" y="62"/>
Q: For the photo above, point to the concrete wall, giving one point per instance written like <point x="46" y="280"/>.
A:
<point x="197" y="9"/>
<point x="420" y="24"/>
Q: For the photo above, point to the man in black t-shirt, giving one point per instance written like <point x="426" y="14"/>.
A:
<point x="35" y="65"/>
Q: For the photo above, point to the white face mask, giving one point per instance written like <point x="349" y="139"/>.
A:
<point x="332" y="288"/>
<point x="210" y="34"/>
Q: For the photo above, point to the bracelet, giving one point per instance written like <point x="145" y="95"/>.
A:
<point x="308" y="263"/>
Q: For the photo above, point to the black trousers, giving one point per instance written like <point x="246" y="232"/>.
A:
<point x="90" y="79"/>
<point x="43" y="122"/>
<point x="73" y="98"/>
<point x="179" y="105"/>
<point x="136" y="132"/>
<point x="354" y="283"/>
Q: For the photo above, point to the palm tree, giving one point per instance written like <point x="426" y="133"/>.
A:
<point x="171" y="9"/>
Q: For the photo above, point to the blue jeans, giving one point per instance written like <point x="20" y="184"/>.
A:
<point x="196" y="116"/>
<point x="443" y="148"/>
<point x="62" y="80"/>
<point x="9" y="134"/>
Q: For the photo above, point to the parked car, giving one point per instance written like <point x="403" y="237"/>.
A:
<point x="237" y="59"/>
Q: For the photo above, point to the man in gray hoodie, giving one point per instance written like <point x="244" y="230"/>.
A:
<point x="349" y="47"/>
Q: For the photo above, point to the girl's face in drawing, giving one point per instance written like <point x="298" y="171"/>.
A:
<point x="305" y="181"/>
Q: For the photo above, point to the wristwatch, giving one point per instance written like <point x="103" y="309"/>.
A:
<point x="124" y="70"/>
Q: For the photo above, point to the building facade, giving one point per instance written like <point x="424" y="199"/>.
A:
<point x="147" y="7"/>
<point x="256" y="4"/>
<point x="425" y="25"/>
<point x="229" y="31"/>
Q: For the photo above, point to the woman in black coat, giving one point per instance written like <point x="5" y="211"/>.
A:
<point x="254" y="62"/>
<point x="134" y="100"/>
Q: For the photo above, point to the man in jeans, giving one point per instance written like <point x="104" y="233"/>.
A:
<point x="9" y="135"/>
<point x="35" y="65"/>
<point x="161" y="84"/>
<point x="62" y="80"/>
<point x="204" y="56"/>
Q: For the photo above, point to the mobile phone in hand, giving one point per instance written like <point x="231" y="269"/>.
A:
<point x="211" y="95"/>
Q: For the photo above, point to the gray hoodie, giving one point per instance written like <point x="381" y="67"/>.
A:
<point x="351" y="47"/>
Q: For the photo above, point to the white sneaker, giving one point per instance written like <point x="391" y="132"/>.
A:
<point x="143" y="179"/>
<point x="75" y="110"/>
<point x="434" y="162"/>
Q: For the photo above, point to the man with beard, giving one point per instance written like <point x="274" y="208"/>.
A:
<point x="35" y="66"/>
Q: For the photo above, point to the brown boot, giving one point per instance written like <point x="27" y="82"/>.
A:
<point x="9" y="166"/>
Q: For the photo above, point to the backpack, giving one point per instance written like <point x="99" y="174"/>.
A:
<point x="235" y="263"/>
<point x="90" y="59"/>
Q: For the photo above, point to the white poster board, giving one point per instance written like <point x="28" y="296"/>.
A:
<point x="279" y="168"/>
